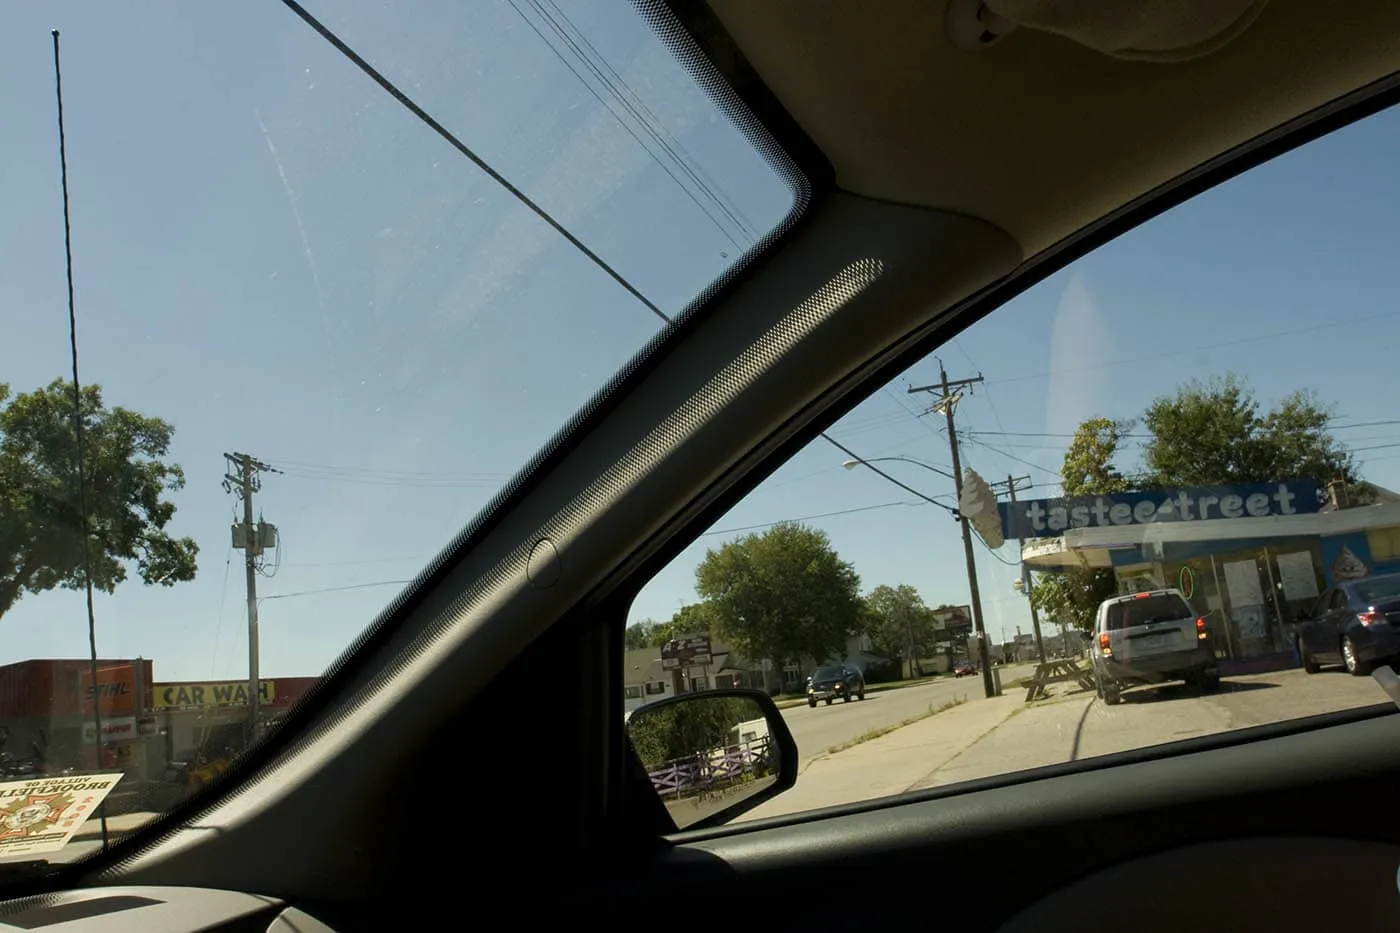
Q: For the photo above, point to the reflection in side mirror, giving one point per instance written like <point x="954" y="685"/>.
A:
<point x="711" y="756"/>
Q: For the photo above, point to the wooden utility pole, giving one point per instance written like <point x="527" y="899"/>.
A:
<point x="947" y="399"/>
<point x="244" y="478"/>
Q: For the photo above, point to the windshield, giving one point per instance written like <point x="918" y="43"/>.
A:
<point x="1379" y="589"/>
<point x="320" y="322"/>
<point x="829" y="673"/>
<point x="1134" y="612"/>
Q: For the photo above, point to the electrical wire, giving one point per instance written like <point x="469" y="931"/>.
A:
<point x="219" y="619"/>
<point x="805" y="518"/>
<point x="451" y="139"/>
<point x="335" y="589"/>
<point x="588" y="63"/>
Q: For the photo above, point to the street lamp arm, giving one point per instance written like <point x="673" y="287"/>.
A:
<point x="850" y="464"/>
<point x="861" y="461"/>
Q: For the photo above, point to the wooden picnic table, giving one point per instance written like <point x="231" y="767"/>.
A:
<point x="1061" y="670"/>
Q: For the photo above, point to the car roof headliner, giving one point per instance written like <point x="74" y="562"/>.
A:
<point x="1037" y="134"/>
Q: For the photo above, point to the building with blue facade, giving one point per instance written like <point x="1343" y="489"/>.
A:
<point x="1248" y="558"/>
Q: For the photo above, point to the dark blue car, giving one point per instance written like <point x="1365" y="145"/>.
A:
<point x="1355" y="624"/>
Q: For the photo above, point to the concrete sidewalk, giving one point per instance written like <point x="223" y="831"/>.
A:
<point x="893" y="763"/>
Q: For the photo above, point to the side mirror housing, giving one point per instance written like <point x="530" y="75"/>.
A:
<point x="714" y="755"/>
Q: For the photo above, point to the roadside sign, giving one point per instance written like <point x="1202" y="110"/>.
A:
<point x="686" y="650"/>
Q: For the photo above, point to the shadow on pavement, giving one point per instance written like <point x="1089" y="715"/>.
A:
<point x="1182" y="691"/>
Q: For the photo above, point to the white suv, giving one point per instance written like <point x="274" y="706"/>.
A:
<point x="1151" y="638"/>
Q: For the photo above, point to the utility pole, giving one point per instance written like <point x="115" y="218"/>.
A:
<point x="946" y="400"/>
<point x="1011" y="482"/>
<point x="244" y="477"/>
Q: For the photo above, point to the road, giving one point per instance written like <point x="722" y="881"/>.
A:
<point x="986" y="738"/>
<point x="819" y="728"/>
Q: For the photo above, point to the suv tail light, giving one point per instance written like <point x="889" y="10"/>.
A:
<point x="1103" y="644"/>
<point x="1201" y="628"/>
<point x="1370" y="617"/>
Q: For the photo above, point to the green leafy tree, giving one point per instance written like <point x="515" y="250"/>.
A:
<point x="781" y="595"/>
<point x="41" y="541"/>
<point x="1072" y="597"/>
<point x="1214" y="433"/>
<point x="639" y="634"/>
<point x="897" y="620"/>
<point x="692" y="619"/>
<point x="662" y="734"/>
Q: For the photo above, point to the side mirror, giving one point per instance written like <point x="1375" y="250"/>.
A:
<point x="714" y="755"/>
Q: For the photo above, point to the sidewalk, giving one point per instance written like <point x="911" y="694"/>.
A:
<point x="893" y="763"/>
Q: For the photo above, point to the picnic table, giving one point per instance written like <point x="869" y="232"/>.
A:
<point x="1061" y="670"/>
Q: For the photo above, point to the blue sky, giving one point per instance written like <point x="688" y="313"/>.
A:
<point x="275" y="257"/>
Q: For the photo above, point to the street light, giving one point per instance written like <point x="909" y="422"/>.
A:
<point x="983" y="652"/>
<point x="856" y="461"/>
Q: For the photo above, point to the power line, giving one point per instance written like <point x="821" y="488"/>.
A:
<point x="615" y="85"/>
<point x="336" y="589"/>
<point x="807" y="518"/>
<point x="448" y="136"/>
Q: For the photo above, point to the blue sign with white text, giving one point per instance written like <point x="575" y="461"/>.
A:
<point x="1048" y="518"/>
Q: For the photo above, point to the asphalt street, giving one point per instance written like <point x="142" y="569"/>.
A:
<point x="822" y="727"/>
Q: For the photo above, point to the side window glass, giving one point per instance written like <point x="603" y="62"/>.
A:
<point x="1164" y="414"/>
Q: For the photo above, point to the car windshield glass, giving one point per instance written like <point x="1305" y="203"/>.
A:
<point x="1134" y="612"/>
<point x="1379" y="589"/>
<point x="829" y="673"/>
<point x="316" y="334"/>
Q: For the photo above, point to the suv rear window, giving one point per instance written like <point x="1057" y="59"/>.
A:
<point x="1134" y="612"/>
<point x="1379" y="588"/>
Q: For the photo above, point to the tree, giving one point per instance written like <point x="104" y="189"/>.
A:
<point x="662" y="734"/>
<point x="781" y="595"/>
<point x="640" y="634"/>
<point x="692" y="619"/>
<point x="1213" y="434"/>
<point x="900" y="625"/>
<point x="1072" y="597"/>
<point x="41" y="541"/>
<point x="1088" y="468"/>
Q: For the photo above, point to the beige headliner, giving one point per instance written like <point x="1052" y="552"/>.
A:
<point x="1038" y="135"/>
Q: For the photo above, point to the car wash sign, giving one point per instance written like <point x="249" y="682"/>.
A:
<point x="1048" y="518"/>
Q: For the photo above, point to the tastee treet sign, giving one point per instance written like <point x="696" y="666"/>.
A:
<point x="1045" y="518"/>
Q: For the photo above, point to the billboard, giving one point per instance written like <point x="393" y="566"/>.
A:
<point x="956" y="621"/>
<point x="1048" y="518"/>
<point x="685" y="651"/>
